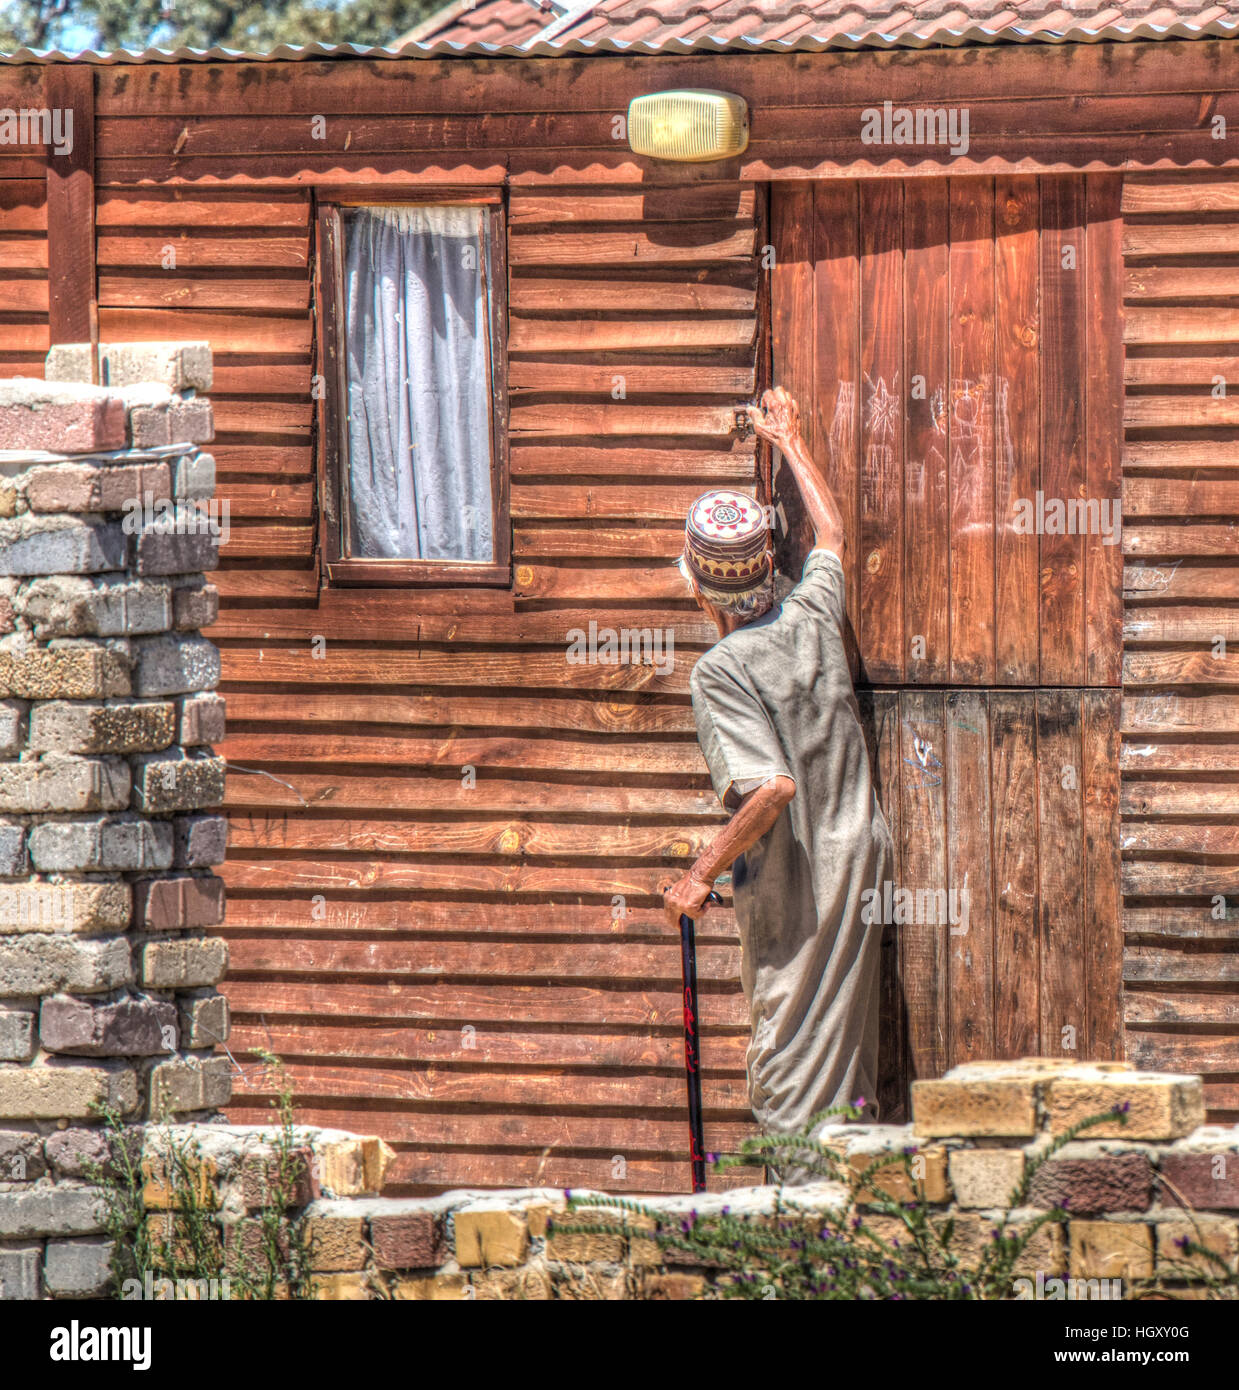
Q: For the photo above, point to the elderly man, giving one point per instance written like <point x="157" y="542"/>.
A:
<point x="779" y="726"/>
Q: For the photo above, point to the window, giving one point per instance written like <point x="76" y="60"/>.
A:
<point x="411" y="335"/>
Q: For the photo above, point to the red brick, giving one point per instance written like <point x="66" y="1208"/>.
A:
<point x="1115" y="1182"/>
<point x="178" y="904"/>
<point x="260" y="1174"/>
<point x="408" y="1242"/>
<point x="1207" y="1182"/>
<point x="65" y="418"/>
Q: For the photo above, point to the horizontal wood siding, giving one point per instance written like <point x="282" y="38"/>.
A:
<point x="1180" y="751"/>
<point x="23" y="276"/>
<point x="478" y="972"/>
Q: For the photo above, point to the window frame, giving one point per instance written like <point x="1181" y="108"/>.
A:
<point x="344" y="570"/>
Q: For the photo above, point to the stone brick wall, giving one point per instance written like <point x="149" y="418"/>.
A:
<point x="107" y="967"/>
<point x="1131" y="1193"/>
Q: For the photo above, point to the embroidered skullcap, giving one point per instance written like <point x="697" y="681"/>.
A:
<point x="726" y="542"/>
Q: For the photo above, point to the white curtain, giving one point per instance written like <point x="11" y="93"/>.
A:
<point x="418" y="385"/>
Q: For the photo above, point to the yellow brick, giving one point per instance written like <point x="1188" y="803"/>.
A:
<point x="1161" y="1106"/>
<point x="582" y="1285"/>
<point x="494" y="1236"/>
<point x="1000" y="1107"/>
<point x="170" y="1234"/>
<point x="657" y="1287"/>
<point x="353" y="1167"/>
<point x="341" y="1288"/>
<point x="537" y="1217"/>
<point x="439" y="1288"/>
<point x="159" y="1192"/>
<point x="892" y="1180"/>
<point x="974" y="1235"/>
<point x="1219" y="1234"/>
<point x="1111" y="1250"/>
<point x="985" y="1177"/>
<point x="585" y="1249"/>
<point x="513" y="1285"/>
<point x="336" y="1243"/>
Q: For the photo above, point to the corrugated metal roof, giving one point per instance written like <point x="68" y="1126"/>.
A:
<point x="740" y="26"/>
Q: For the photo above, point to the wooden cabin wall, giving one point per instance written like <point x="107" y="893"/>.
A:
<point x="23" y="238"/>
<point x="445" y="967"/>
<point x="440" y="963"/>
<point x="956" y="348"/>
<point x="1180" y="754"/>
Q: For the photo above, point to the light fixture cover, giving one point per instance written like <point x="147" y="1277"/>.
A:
<point x="688" y="126"/>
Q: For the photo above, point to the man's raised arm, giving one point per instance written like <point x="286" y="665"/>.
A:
<point x="777" y="421"/>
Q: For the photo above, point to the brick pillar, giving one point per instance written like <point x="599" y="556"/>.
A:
<point x="107" y="895"/>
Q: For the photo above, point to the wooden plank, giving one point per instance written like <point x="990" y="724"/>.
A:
<point x="1060" y="772"/>
<point x="506" y="963"/>
<point x="923" y="850"/>
<point x="1189" y="962"/>
<point x="1017" y="458"/>
<point x="368" y="916"/>
<point x="197" y="250"/>
<point x="1196" y="192"/>
<point x="970" y="927"/>
<point x="726" y="460"/>
<point x="694" y="242"/>
<point x="926" y="557"/>
<point x="1183" y="366"/>
<point x="1103" y="603"/>
<point x="202" y="292"/>
<point x="1191" y="537"/>
<point x="591" y="1002"/>
<point x="460" y="875"/>
<point x="1170" y="712"/>
<point x="705" y="202"/>
<point x="1179" y="410"/>
<point x="1190" y="237"/>
<point x="836" y="394"/>
<point x="622" y="335"/>
<point x="1102" y="943"/>
<point x="880" y="520"/>
<point x="1180" y="497"/>
<point x="711" y="290"/>
<point x="1153" y="282"/>
<point x="212" y="208"/>
<point x="706" y="377"/>
<point x="880" y="716"/>
<point x="578" y="418"/>
<point x="792" y="346"/>
<point x="1064" y="376"/>
<point x="72" y="309"/>
<point x="1204" y="797"/>
<point x="451" y="85"/>
<point x="227" y="331"/>
<point x="513" y="751"/>
<point x="1016" y="853"/>
<point x="518" y="794"/>
<point x="530" y="839"/>
<point x="23" y="205"/>
<point x="1180" y="324"/>
<point x="971" y="430"/>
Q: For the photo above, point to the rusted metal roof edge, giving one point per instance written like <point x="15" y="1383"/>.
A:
<point x="541" y="48"/>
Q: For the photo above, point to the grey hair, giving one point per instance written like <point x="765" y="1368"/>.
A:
<point x="748" y="604"/>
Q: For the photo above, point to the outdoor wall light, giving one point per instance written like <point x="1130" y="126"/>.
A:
<point x="688" y="126"/>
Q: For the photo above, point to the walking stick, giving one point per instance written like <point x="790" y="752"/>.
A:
<point x="692" y="1055"/>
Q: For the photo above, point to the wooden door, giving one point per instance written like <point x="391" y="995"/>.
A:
<point x="956" y="347"/>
